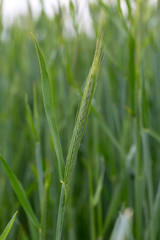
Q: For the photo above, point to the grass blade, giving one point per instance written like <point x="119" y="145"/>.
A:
<point x="45" y="202"/>
<point x="30" y="120"/>
<point x="37" y="146"/>
<point x="49" y="109"/>
<point x="115" y="202"/>
<point x="122" y="227"/>
<point x="19" y="191"/>
<point x="156" y="209"/>
<point x="60" y="213"/>
<point x="153" y="134"/>
<point x="148" y="176"/>
<point x="8" y="228"/>
<point x="108" y="132"/>
<point x="39" y="170"/>
<point x="99" y="187"/>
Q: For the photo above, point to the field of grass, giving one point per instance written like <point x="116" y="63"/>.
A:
<point x="80" y="125"/>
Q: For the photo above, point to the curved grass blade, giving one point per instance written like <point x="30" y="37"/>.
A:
<point x="102" y="123"/>
<point x="153" y="134"/>
<point x="49" y="109"/>
<point x="107" y="131"/>
<point x="8" y="227"/>
<point x="19" y="191"/>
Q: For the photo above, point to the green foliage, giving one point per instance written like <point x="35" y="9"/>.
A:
<point x="48" y="104"/>
<point x="6" y="231"/>
<point x="19" y="192"/>
<point x="117" y="168"/>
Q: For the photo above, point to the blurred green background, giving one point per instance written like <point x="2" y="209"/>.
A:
<point x="118" y="162"/>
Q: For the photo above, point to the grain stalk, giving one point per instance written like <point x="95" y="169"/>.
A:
<point x="78" y="133"/>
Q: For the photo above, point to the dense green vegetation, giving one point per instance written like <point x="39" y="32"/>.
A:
<point x="115" y="185"/>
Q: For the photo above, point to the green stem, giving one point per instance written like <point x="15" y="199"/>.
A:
<point x="60" y="213"/>
<point x="138" y="122"/>
<point x="96" y="163"/>
<point x="78" y="132"/>
<point x="91" y="207"/>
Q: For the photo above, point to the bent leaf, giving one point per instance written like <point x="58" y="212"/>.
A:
<point x="19" y="191"/>
<point x="49" y="109"/>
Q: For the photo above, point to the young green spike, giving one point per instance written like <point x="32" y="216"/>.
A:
<point x="78" y="132"/>
<point x="82" y="115"/>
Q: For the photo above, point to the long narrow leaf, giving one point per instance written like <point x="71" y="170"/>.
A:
<point x="19" y="191"/>
<point x="30" y="121"/>
<point x="8" y="228"/>
<point x="37" y="148"/>
<point x="153" y="134"/>
<point x="39" y="170"/>
<point x="49" y="109"/>
<point x="97" y="194"/>
<point x="107" y="131"/>
<point x="45" y="202"/>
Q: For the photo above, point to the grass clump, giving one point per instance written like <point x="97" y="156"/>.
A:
<point x="115" y="184"/>
<point x="78" y="129"/>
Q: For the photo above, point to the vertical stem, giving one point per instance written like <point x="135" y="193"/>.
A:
<point x="60" y="213"/>
<point x="148" y="178"/>
<point x="138" y="178"/>
<point x="91" y="207"/>
<point x="40" y="171"/>
<point x="97" y="167"/>
<point x="78" y="132"/>
<point x="71" y="221"/>
<point x="44" y="206"/>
